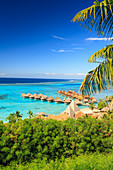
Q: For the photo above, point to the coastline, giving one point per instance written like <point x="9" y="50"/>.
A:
<point x="10" y="100"/>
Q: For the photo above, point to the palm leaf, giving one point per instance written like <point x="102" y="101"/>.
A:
<point x="98" y="79"/>
<point x="104" y="53"/>
<point x="98" y="16"/>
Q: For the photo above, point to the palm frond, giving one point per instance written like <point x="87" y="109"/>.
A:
<point x="104" y="53"/>
<point x="98" y="79"/>
<point x="99" y="15"/>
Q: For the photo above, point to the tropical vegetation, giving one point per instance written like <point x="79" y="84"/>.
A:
<point x="82" y="162"/>
<point x="100" y="17"/>
<point x="101" y="104"/>
<point x="23" y="141"/>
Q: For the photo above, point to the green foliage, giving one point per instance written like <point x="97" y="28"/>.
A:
<point x="30" y="113"/>
<point x="28" y="139"/>
<point x="100" y="17"/>
<point x="101" y="104"/>
<point x="13" y="117"/>
<point x="82" y="162"/>
<point x="92" y="106"/>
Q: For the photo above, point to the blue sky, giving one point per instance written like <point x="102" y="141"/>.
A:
<point x="38" y="39"/>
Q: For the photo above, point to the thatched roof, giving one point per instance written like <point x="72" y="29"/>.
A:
<point x="71" y="95"/>
<point x="50" y="98"/>
<point x="40" y="95"/>
<point x="22" y="94"/>
<point x="59" y="91"/>
<point x="59" y="117"/>
<point x="78" y="102"/>
<point x="75" y="96"/>
<point x="42" y="113"/>
<point x="85" y="100"/>
<point x="57" y="99"/>
<point x="31" y="96"/>
<point x="94" y="100"/>
<point x="44" y="97"/>
<point x="26" y="96"/>
<point x="35" y="94"/>
<point x="79" y="114"/>
<point x="74" y="106"/>
<point x="67" y="101"/>
<point x="80" y="97"/>
<point x="87" y="97"/>
<point x="105" y="109"/>
<point x="71" y="112"/>
<point x="37" y="97"/>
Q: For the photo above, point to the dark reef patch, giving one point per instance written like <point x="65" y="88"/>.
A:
<point x="2" y="97"/>
<point x="2" y="108"/>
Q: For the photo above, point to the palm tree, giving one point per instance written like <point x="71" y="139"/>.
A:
<point x="100" y="17"/>
<point x="30" y="114"/>
<point x="92" y="106"/>
<point x="18" y="115"/>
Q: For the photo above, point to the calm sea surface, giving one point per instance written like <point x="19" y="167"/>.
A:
<point x="12" y="88"/>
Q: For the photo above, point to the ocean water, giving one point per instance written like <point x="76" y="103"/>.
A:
<point x="11" y="90"/>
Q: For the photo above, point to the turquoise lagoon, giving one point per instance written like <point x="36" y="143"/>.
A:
<point x="10" y="100"/>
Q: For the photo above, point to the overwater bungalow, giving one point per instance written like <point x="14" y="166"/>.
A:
<point x="74" y="96"/>
<point x="63" y="91"/>
<point x="26" y="96"/>
<point x="31" y="96"/>
<point x="94" y="100"/>
<point x="67" y="101"/>
<point x="80" y="97"/>
<point x="50" y="99"/>
<point x="78" y="102"/>
<point x="85" y="100"/>
<point x="73" y="92"/>
<point x="66" y="93"/>
<point x="35" y="94"/>
<point x="40" y="95"/>
<point x="22" y="94"/>
<point x="87" y="97"/>
<point x="59" y="91"/>
<point x="37" y="97"/>
<point x="44" y="98"/>
<point x="71" y="95"/>
<point x="58" y="100"/>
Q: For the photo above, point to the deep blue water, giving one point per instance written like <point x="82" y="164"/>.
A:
<point x="29" y="80"/>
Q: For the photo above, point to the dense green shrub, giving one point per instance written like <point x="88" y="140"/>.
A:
<point x="82" y="162"/>
<point x="29" y="139"/>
